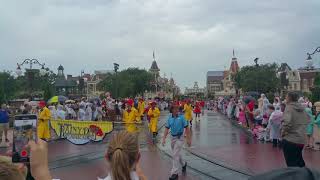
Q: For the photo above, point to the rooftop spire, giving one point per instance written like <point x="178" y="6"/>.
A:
<point x="233" y="53"/>
<point x="154" y="65"/>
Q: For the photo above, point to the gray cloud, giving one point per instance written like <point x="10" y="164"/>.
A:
<point x="190" y="37"/>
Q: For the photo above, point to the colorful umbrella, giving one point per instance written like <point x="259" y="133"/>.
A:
<point x="247" y="99"/>
<point x="57" y="99"/>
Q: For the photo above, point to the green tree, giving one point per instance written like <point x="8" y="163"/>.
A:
<point x="8" y="87"/>
<point x="260" y="78"/>
<point x="315" y="91"/>
<point x="11" y="88"/>
<point x="128" y="83"/>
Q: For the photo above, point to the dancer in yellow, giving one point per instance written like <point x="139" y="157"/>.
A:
<point x="43" y="121"/>
<point x="187" y="109"/>
<point x="154" y="114"/>
<point x="141" y="106"/>
<point x="131" y="116"/>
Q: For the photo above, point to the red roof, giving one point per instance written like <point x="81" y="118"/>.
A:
<point x="234" y="67"/>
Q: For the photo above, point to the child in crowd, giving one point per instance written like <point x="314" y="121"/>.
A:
<point x="274" y="124"/>
<point x="242" y="117"/>
<point x="257" y="116"/>
<point x="123" y="155"/>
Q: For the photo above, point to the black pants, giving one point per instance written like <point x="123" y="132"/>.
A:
<point x="274" y="142"/>
<point x="293" y="154"/>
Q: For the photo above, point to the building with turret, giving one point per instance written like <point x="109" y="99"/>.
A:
<point x="229" y="85"/>
<point x="195" y="91"/>
<point x="307" y="75"/>
<point x="162" y="87"/>
<point x="64" y="86"/>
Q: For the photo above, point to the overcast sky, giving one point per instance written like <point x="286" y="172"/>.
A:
<point x="189" y="37"/>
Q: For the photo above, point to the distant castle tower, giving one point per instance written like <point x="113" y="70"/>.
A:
<point x="234" y="67"/>
<point x="154" y="69"/>
<point x="60" y="71"/>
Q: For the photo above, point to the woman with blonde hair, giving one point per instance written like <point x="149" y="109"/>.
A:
<point x="123" y="155"/>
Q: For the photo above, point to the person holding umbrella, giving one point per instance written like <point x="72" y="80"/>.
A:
<point x="43" y="121"/>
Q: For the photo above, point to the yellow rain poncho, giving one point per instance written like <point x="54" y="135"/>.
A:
<point x="154" y="115"/>
<point x="130" y="118"/>
<point x="187" y="112"/>
<point x="141" y="106"/>
<point x="43" y="123"/>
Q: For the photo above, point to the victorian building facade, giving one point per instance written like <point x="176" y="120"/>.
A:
<point x="195" y="91"/>
<point x="162" y="87"/>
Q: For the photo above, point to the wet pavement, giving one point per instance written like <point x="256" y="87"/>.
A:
<point x="218" y="140"/>
<point x="219" y="150"/>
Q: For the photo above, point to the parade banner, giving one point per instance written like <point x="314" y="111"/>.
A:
<point x="81" y="132"/>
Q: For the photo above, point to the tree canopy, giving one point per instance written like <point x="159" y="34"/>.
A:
<point x="261" y="78"/>
<point x="8" y="87"/>
<point x="20" y="87"/>
<point x="127" y="83"/>
<point x="315" y="96"/>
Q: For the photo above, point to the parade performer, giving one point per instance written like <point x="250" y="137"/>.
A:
<point x="141" y="107"/>
<point x="131" y="116"/>
<point x="154" y="114"/>
<point x="197" y="111"/>
<point x="187" y="109"/>
<point x="177" y="125"/>
<point x="202" y="104"/>
<point x="43" y="121"/>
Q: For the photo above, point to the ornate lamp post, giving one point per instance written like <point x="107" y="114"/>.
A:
<point x="309" y="59"/>
<point x="317" y="50"/>
<point x="30" y="73"/>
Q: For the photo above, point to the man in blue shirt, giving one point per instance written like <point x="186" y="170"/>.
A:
<point x="177" y="125"/>
<point x="4" y="122"/>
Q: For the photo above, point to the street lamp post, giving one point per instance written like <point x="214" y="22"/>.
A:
<point x="116" y="68"/>
<point x="31" y="72"/>
<point x="317" y="50"/>
<point x="256" y="79"/>
<point x="309" y="59"/>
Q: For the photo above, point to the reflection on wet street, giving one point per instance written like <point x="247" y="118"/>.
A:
<point x="214" y="130"/>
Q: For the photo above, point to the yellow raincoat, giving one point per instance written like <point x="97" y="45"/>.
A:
<point x="141" y="106"/>
<point x="187" y="112"/>
<point x="130" y="118"/>
<point x="154" y="118"/>
<point x="43" y="123"/>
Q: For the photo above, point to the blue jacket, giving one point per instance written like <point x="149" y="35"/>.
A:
<point x="4" y="116"/>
